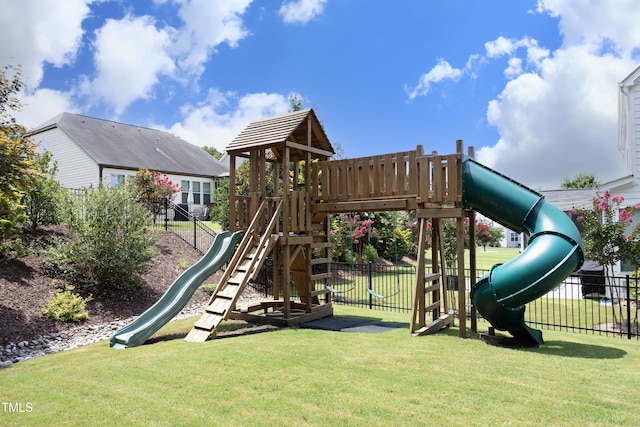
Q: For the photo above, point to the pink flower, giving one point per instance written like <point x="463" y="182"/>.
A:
<point x="606" y="194"/>
<point x="617" y="199"/>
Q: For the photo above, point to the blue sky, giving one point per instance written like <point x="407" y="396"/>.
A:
<point x="531" y="84"/>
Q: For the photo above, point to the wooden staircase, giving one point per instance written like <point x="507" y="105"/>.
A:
<point x="243" y="267"/>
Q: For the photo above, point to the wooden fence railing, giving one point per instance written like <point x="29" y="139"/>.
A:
<point x="409" y="174"/>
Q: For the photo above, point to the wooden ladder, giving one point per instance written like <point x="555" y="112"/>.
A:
<point x="420" y="308"/>
<point x="243" y="267"/>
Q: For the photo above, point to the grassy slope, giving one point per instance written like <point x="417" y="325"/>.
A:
<point x="310" y="377"/>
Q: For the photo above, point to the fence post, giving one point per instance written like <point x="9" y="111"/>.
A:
<point x="628" y="307"/>
<point x="370" y="286"/>
<point x="166" y="213"/>
<point x="195" y="232"/>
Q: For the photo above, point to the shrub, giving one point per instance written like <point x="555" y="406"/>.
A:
<point x="208" y="288"/>
<point x="108" y="246"/>
<point x="67" y="306"/>
<point x="41" y="198"/>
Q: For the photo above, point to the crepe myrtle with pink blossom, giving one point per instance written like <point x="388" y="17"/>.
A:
<point x="608" y="232"/>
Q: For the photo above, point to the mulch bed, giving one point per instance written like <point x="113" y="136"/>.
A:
<point x="25" y="287"/>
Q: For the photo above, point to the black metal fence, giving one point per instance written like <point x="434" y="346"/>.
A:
<point x="184" y="223"/>
<point x="584" y="303"/>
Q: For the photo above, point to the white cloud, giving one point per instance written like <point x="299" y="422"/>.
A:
<point x="208" y="24"/>
<point x="441" y="71"/>
<point x="558" y="122"/>
<point x="219" y="119"/>
<point x="41" y="32"/>
<point x="128" y="71"/>
<point x="38" y="33"/>
<point x="43" y="104"/>
<point x="503" y="46"/>
<point x="594" y="23"/>
<point x="557" y="113"/>
<point x="301" y="11"/>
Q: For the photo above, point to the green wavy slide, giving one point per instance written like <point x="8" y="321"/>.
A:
<point x="554" y="250"/>
<point x="178" y="294"/>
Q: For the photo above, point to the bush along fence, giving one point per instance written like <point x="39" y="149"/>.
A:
<point x="583" y="303"/>
<point x="184" y="223"/>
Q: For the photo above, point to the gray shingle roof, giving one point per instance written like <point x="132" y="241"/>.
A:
<point x="126" y="146"/>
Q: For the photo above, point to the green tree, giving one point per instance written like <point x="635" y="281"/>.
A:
<point x="603" y="234"/>
<point x="220" y="212"/>
<point x="581" y="180"/>
<point x="41" y="198"/>
<point x="213" y="151"/>
<point x="152" y="187"/>
<point x="295" y="102"/>
<point x="17" y="162"/>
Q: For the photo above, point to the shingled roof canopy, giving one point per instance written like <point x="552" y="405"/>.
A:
<point x="300" y="131"/>
<point x="119" y="145"/>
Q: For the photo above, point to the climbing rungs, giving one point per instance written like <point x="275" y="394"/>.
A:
<point x="317" y="245"/>
<point x="436" y="325"/>
<point x="432" y="288"/>
<point x="317" y="261"/>
<point x="229" y="292"/>
<point x="320" y="292"/>
<point x="199" y="335"/>
<point x="320" y="276"/>
<point x="431" y="277"/>
<point x="432" y="306"/>
<point x="219" y="306"/>
<point x="208" y="321"/>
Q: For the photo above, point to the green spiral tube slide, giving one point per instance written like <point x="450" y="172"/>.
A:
<point x="554" y="250"/>
<point x="178" y="294"/>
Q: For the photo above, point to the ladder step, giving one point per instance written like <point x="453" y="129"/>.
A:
<point x="208" y="321"/>
<point x="320" y="276"/>
<point x="316" y="245"/>
<point x="432" y="306"/>
<point x="320" y="292"/>
<point x="198" y="335"/>
<point x="431" y="277"/>
<point x="317" y="261"/>
<point x="434" y="326"/>
<point x="434" y="287"/>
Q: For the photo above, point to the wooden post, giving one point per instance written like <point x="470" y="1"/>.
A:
<point x="232" y="193"/>
<point x="462" y="313"/>
<point x="472" y="254"/>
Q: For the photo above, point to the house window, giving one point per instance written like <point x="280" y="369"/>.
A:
<point x="206" y="193"/>
<point x="185" y="191"/>
<point x="196" y="192"/>
<point x="117" y="180"/>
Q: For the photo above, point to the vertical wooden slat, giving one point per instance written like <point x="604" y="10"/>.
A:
<point x="344" y="176"/>
<point x="413" y="173"/>
<point x="389" y="173"/>
<point x="366" y="178"/>
<point x="377" y="177"/>
<point x="437" y="179"/>
<point x="332" y="169"/>
<point x="452" y="178"/>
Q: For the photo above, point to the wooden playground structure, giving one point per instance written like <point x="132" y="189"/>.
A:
<point x="294" y="189"/>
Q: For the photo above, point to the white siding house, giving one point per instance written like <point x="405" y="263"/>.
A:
<point x="90" y="151"/>
<point x="628" y="185"/>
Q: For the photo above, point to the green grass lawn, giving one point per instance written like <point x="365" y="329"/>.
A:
<point x="302" y="377"/>
<point x="486" y="259"/>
